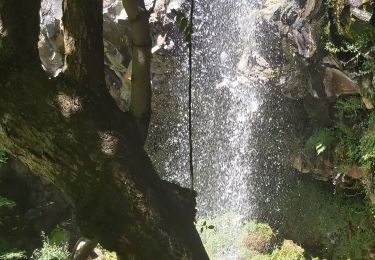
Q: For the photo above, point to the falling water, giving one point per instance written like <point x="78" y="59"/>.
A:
<point x="225" y="102"/>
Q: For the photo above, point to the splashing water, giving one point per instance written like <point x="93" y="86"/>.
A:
<point x="225" y="102"/>
<point x="226" y="99"/>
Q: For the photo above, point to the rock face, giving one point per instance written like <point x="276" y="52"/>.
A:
<point x="327" y="65"/>
<point x="337" y="83"/>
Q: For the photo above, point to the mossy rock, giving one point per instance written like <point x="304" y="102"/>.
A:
<point x="289" y="251"/>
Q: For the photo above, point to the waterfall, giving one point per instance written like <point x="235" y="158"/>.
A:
<point x="226" y="98"/>
<point x="225" y="102"/>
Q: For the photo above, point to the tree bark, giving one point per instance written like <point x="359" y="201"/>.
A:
<point x="70" y="132"/>
<point x="140" y="103"/>
<point x="83" y="39"/>
<point x="17" y="32"/>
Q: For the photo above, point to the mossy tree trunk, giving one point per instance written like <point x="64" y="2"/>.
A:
<point x="69" y="131"/>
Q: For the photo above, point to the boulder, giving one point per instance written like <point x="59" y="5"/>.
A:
<point x="337" y="83"/>
<point x="302" y="34"/>
<point x="355" y="173"/>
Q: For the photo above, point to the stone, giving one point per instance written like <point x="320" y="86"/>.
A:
<point x="300" y="165"/>
<point x="355" y="173"/>
<point x="290" y="14"/>
<point x="337" y="83"/>
<point x="355" y="3"/>
<point x="311" y="8"/>
<point x="361" y="15"/>
<point x="302" y="34"/>
<point x="367" y="103"/>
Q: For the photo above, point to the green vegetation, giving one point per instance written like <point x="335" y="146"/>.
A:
<point x="13" y="255"/>
<point x="253" y="241"/>
<point x="107" y="255"/>
<point x="321" y="140"/>
<point x="352" y="139"/>
<point x="288" y="250"/>
<point x="6" y="203"/>
<point x="331" y="226"/>
<point x="54" y="247"/>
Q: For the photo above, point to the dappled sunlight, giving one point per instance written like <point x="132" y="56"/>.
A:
<point x="69" y="105"/>
<point x="108" y="142"/>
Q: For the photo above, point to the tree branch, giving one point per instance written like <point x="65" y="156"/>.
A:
<point x="140" y="106"/>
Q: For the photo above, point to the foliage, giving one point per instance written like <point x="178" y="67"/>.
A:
<point x="288" y="251"/>
<point x="51" y="250"/>
<point x="321" y="140"/>
<point x="6" y="203"/>
<point x="59" y="236"/>
<point x="107" y="255"/>
<point x="349" y="105"/>
<point x="232" y="235"/>
<point x="256" y="236"/>
<point x="367" y="145"/>
<point x="330" y="226"/>
<point x="203" y="226"/>
<point x="8" y="253"/>
<point x="350" y="123"/>
<point x="13" y="255"/>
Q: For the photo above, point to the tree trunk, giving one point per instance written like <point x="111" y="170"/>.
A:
<point x="69" y="131"/>
<point x="140" y="103"/>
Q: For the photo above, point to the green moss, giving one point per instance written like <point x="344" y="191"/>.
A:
<point x="107" y="255"/>
<point x="6" y="203"/>
<point x="350" y="123"/>
<point x="288" y="251"/>
<point x="367" y="145"/>
<point x="327" y="225"/>
<point x="255" y="237"/>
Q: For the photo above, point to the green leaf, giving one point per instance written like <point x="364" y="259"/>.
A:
<point x="320" y="148"/>
<point x="210" y="227"/>
<point x="13" y="255"/>
<point x="6" y="203"/>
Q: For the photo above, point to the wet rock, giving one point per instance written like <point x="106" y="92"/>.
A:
<point x="289" y="14"/>
<point x="355" y="173"/>
<point x="311" y="8"/>
<point x="302" y="34"/>
<point x="324" y="169"/>
<point x="368" y="104"/>
<point x="319" y="110"/>
<point x="361" y="15"/>
<point x="338" y="83"/>
<point x="300" y="164"/>
<point x="51" y="41"/>
<point x="355" y="3"/>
